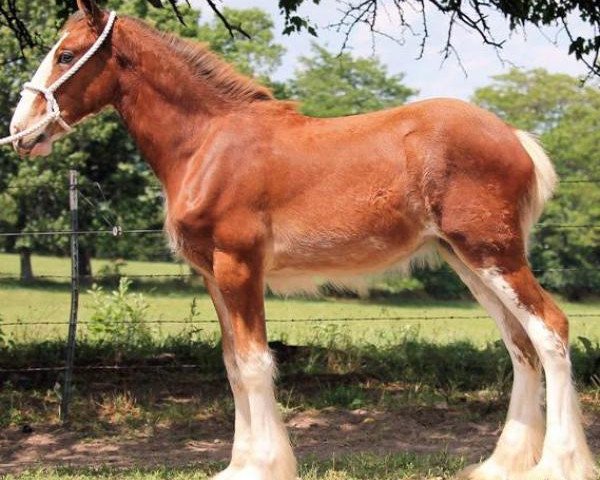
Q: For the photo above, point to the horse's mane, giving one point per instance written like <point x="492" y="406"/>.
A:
<point x="203" y="63"/>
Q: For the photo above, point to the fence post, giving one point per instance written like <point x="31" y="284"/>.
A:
<point x="70" y="357"/>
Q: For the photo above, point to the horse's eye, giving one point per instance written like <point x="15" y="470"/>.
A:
<point x="66" y="57"/>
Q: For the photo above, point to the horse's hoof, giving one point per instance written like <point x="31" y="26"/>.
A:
<point x="541" y="472"/>
<point x="230" y="473"/>
<point x="545" y="471"/>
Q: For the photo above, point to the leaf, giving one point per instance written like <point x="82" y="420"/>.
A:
<point x="587" y="344"/>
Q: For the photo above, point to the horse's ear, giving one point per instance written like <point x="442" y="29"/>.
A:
<point x="91" y="10"/>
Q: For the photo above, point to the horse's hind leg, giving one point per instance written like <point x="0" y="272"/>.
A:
<point x="520" y="445"/>
<point x="565" y="455"/>
<point x="495" y="252"/>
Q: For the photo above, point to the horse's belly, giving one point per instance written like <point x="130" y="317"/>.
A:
<point x="301" y="261"/>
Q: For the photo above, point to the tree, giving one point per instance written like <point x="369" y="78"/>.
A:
<point x="34" y="194"/>
<point x="21" y="189"/>
<point x="331" y="85"/>
<point x="533" y="100"/>
<point x="473" y="15"/>
<point x="566" y="115"/>
<point x="259" y="55"/>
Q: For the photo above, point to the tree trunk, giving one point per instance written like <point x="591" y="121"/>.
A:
<point x="85" y="263"/>
<point x="26" y="268"/>
<point x="24" y="248"/>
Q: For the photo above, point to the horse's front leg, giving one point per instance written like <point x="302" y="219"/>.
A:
<point x="240" y="452"/>
<point x="261" y="445"/>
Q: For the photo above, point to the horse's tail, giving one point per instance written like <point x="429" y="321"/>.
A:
<point x="544" y="182"/>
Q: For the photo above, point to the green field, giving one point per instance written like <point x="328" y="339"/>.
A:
<point x="440" y="321"/>
<point x="418" y="372"/>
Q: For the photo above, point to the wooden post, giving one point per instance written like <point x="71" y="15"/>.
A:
<point x="70" y="356"/>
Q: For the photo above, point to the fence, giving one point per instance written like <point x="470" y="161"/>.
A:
<point x="74" y="233"/>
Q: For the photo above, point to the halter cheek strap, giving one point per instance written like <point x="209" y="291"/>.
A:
<point x="52" y="108"/>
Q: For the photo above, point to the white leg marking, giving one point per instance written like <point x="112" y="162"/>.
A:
<point x="565" y="454"/>
<point x="22" y="117"/>
<point x="271" y="457"/>
<point x="520" y="444"/>
<point x="242" y="437"/>
<point x="242" y="447"/>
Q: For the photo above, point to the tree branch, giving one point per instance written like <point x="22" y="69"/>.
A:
<point x="230" y="28"/>
<point x="473" y="14"/>
<point x="11" y="17"/>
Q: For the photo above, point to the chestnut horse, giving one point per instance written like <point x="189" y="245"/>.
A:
<point x="257" y="192"/>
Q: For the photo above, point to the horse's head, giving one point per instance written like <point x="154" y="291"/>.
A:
<point x="90" y="88"/>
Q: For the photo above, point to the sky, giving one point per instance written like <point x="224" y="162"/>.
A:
<point x="431" y="76"/>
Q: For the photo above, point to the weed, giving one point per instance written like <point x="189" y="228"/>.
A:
<point x="118" y="317"/>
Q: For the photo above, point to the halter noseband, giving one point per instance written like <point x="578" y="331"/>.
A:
<point x="52" y="109"/>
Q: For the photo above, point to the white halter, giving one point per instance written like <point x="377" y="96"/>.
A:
<point x="52" y="108"/>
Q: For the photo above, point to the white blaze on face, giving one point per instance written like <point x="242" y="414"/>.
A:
<point x="22" y="117"/>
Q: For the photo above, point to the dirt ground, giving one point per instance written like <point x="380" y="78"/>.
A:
<point x="318" y="434"/>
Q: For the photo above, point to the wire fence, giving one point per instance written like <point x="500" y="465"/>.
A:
<point x="365" y="320"/>
<point x="182" y="276"/>
<point x="88" y="192"/>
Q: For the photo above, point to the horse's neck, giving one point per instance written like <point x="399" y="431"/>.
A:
<point x="165" y="110"/>
<point x="167" y="134"/>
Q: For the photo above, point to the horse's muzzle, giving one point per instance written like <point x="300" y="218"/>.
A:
<point x="33" y="145"/>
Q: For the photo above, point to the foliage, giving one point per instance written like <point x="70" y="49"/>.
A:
<point x="395" y="284"/>
<point x="407" y="355"/>
<point x="441" y="282"/>
<point x="406" y="371"/>
<point x="4" y="341"/>
<point x="258" y="55"/>
<point x="566" y="116"/>
<point x="588" y="364"/>
<point x="533" y="100"/>
<point x="330" y="85"/>
<point x="119" y="317"/>
<point x="112" y="269"/>
<point x="34" y="193"/>
<point x="473" y="16"/>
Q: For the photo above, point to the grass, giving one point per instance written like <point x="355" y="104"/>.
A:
<point x="402" y="369"/>
<point x="331" y="371"/>
<point x="46" y="265"/>
<point x="49" y="302"/>
<point x="355" y="467"/>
